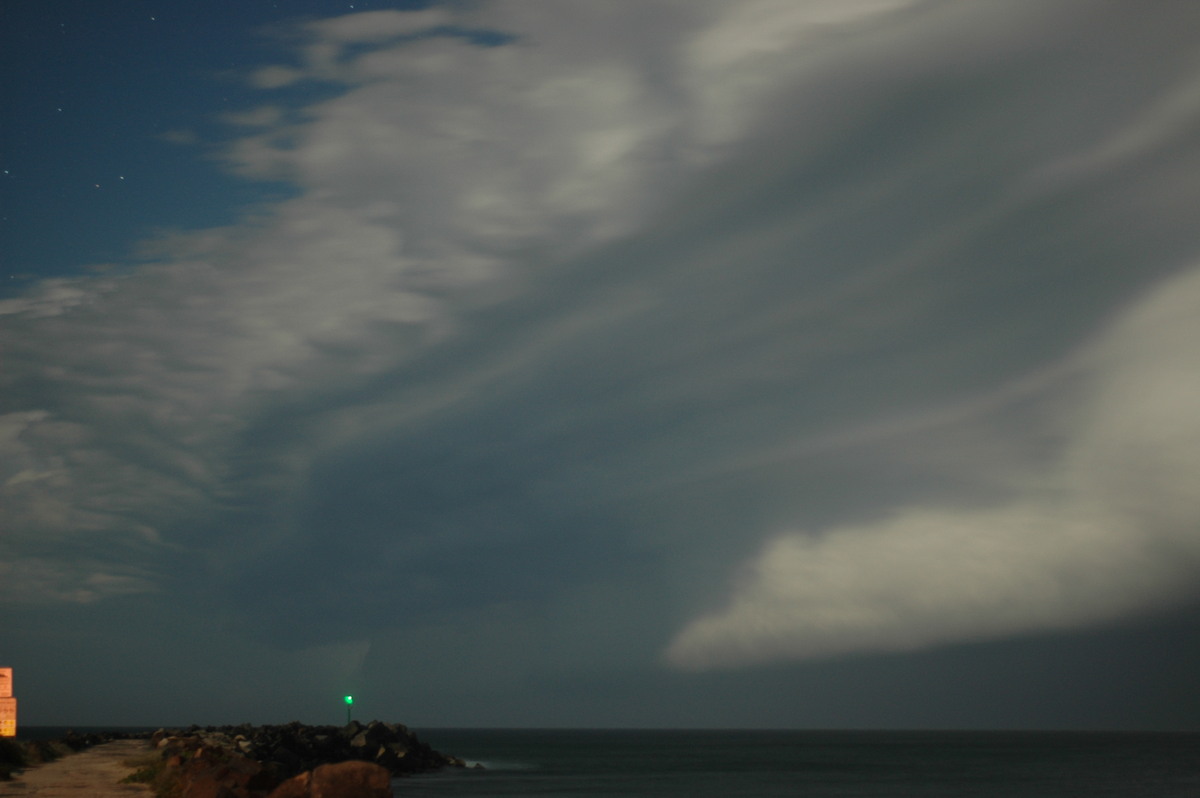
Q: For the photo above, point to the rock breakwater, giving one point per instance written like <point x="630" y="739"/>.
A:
<point x="255" y="761"/>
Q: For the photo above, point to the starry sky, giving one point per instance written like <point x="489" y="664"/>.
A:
<point x="680" y="363"/>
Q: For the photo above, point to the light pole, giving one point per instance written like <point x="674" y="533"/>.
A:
<point x="349" y="703"/>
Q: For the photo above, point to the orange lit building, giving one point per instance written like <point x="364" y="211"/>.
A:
<point x="8" y="704"/>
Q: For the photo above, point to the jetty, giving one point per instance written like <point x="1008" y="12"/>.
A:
<point x="92" y="773"/>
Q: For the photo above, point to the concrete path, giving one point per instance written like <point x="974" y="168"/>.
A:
<point x="94" y="773"/>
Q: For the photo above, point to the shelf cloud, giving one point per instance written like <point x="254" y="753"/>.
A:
<point x="642" y="338"/>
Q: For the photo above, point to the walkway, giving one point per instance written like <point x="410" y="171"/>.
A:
<point x="94" y="773"/>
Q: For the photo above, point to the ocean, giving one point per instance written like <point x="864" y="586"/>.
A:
<point x="802" y="764"/>
<point x="812" y="764"/>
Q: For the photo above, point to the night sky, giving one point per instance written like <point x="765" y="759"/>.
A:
<point x="673" y="363"/>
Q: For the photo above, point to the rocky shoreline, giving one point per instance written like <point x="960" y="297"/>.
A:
<point x="283" y="761"/>
<point x="256" y="761"/>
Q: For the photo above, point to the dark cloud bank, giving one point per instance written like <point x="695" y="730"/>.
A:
<point x="808" y="364"/>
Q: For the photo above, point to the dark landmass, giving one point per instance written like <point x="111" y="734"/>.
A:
<point x="258" y="761"/>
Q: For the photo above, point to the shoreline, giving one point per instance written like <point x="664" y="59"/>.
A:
<point x="245" y="761"/>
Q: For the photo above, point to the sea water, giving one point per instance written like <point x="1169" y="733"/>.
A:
<point x="804" y="764"/>
<point x="812" y="764"/>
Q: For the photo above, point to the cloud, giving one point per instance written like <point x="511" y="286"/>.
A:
<point x="50" y="298"/>
<point x="276" y="77"/>
<point x="36" y="580"/>
<point x="1109" y="530"/>
<point x="144" y="397"/>
<point x="593" y="303"/>
<point x="379" y="26"/>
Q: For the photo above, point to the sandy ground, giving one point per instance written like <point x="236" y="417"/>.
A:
<point x="94" y="773"/>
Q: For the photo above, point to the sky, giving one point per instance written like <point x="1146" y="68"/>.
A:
<point x="679" y="363"/>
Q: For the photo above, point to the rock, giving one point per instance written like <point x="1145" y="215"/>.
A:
<point x="222" y="773"/>
<point x="340" y="780"/>
<point x="295" y="787"/>
<point x="251" y="761"/>
<point x="287" y="760"/>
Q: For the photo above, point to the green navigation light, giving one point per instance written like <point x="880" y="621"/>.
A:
<point x="349" y="699"/>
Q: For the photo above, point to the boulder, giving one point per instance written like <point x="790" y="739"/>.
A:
<point x="340" y="780"/>
<point x="250" y="761"/>
<point x="216" y="773"/>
